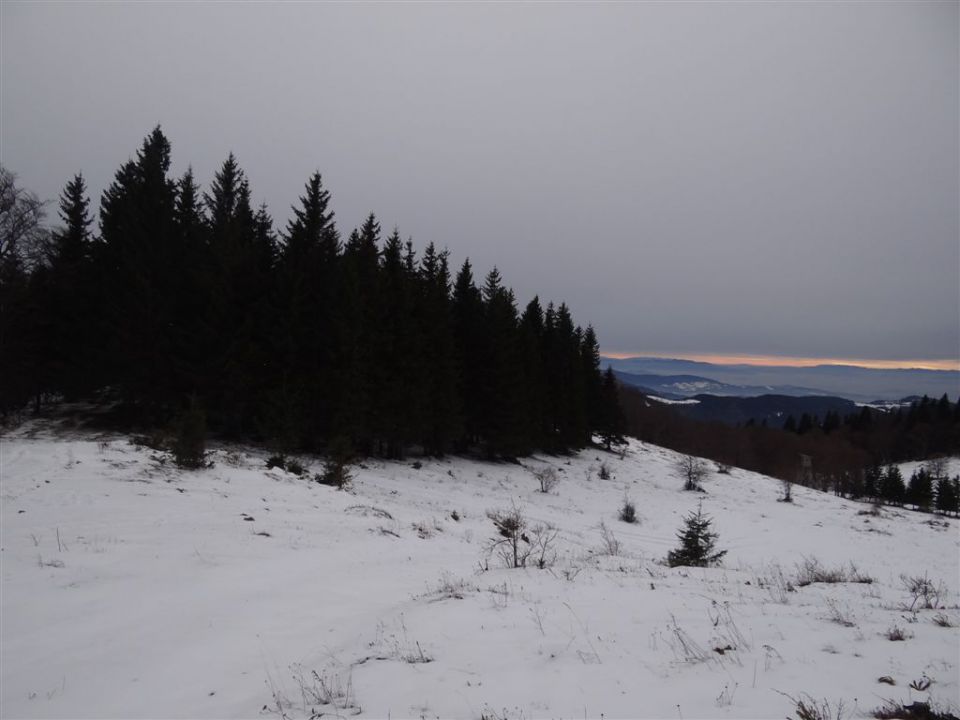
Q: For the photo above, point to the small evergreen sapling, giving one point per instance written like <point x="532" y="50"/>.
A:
<point x="697" y="542"/>
<point x="190" y="444"/>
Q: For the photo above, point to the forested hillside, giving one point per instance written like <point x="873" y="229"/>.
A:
<point x="186" y="307"/>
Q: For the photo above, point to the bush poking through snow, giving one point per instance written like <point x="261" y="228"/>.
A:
<point x="924" y="593"/>
<point x="296" y="467"/>
<point x="893" y="710"/>
<point x="611" y="545"/>
<point x="511" y="528"/>
<point x="840" y="615"/>
<point x="628" y="511"/>
<point x="811" y="571"/>
<point x="517" y="544"/>
<point x="697" y="542"/>
<point x="277" y="461"/>
<point x="897" y="633"/>
<point x="604" y="472"/>
<point x="942" y="620"/>
<point x="335" y="473"/>
<point x="693" y="470"/>
<point x="787" y="491"/>
<point x="190" y="440"/>
<point x="807" y="707"/>
<point x="336" y="468"/>
<point x="547" y="478"/>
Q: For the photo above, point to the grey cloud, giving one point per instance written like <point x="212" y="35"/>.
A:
<point x="690" y="177"/>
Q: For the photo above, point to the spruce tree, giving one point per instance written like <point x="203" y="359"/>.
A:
<point x="948" y="496"/>
<point x="470" y="352"/>
<point x="301" y="398"/>
<point x="892" y="489"/>
<point x="137" y="287"/>
<point x="69" y="303"/>
<point x="441" y="407"/>
<point x="920" y="489"/>
<point x="592" y="377"/>
<point x="503" y="416"/>
<point x="533" y="371"/>
<point x="612" y="426"/>
<point x="697" y="542"/>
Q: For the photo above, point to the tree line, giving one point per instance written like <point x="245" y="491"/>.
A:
<point x="844" y="451"/>
<point x="189" y="301"/>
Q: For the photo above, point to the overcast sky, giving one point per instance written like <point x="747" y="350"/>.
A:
<point x="736" y="178"/>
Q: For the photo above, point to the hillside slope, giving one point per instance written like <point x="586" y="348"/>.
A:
<point x="131" y="589"/>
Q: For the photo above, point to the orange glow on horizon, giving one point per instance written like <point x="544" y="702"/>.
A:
<point x="787" y="361"/>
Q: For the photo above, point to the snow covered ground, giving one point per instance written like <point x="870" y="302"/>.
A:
<point x="132" y="589"/>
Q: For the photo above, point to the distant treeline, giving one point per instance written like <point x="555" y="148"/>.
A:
<point x="842" y="449"/>
<point x="190" y="301"/>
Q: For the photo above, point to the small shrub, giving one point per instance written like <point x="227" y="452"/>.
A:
<point x="296" y="467"/>
<point x="809" y="708"/>
<point x="628" y="511"/>
<point x="611" y="545"/>
<point x="942" y="620"/>
<point x="897" y="633"/>
<point x="811" y="571"/>
<point x="542" y="540"/>
<point x="547" y="478"/>
<point x="787" y="491"/>
<point x="693" y="471"/>
<point x="336" y="468"/>
<point x="335" y="474"/>
<point x="277" y="461"/>
<point x="511" y="541"/>
<point x="840" y="615"/>
<point x="893" y="710"/>
<point x="924" y="593"/>
<point x="723" y="468"/>
<point x="190" y="440"/>
<point x="604" y="472"/>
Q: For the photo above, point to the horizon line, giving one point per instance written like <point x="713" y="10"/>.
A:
<point x="794" y="361"/>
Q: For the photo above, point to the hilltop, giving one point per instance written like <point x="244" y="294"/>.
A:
<point x="134" y="589"/>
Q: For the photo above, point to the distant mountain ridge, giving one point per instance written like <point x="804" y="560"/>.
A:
<point x="675" y="387"/>
<point x="687" y="378"/>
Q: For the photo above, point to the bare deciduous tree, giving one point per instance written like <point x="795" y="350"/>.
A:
<point x="23" y="239"/>
<point x="693" y="470"/>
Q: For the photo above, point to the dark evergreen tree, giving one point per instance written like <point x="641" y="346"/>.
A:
<point x="503" y="418"/>
<point x="872" y="477"/>
<point x="439" y="362"/>
<point x="612" y="426"/>
<point x="697" y="543"/>
<point x="139" y="265"/>
<point x="399" y="398"/>
<point x="592" y="377"/>
<point x="920" y="489"/>
<point x="892" y="489"/>
<point x="239" y="285"/>
<point x="470" y="350"/>
<point x="68" y="301"/>
<point x="948" y="495"/>
<point x="357" y="348"/>
<point x="533" y="371"/>
<point x="301" y="399"/>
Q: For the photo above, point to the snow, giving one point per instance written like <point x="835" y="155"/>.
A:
<point x="667" y="401"/>
<point x="132" y="589"/>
